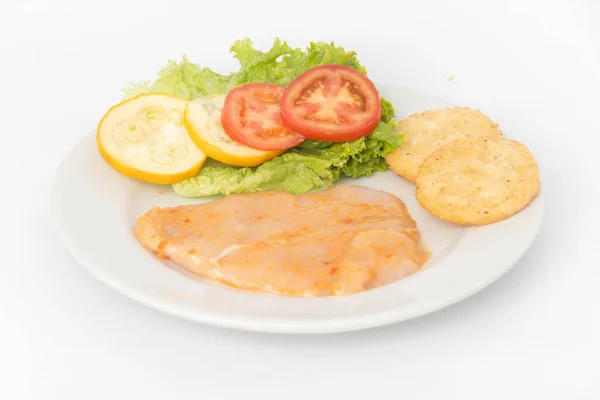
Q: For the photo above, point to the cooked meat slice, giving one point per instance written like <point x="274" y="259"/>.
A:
<point x="337" y="241"/>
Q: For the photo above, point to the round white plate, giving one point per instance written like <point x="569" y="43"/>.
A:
<point x="95" y="209"/>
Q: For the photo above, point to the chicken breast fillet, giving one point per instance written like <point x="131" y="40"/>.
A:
<point x="337" y="241"/>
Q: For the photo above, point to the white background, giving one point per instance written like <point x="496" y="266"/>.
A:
<point x="534" y="66"/>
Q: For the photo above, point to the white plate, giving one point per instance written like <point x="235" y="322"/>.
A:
<point x="95" y="209"/>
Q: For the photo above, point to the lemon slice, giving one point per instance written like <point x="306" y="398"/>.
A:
<point x="145" y="138"/>
<point x="203" y="121"/>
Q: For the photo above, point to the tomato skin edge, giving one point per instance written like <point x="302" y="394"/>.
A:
<point x="339" y="136"/>
<point x="221" y="156"/>
<point x="229" y="122"/>
<point x="317" y="131"/>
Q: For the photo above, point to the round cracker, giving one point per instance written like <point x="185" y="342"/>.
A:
<point x="478" y="181"/>
<point x="426" y="132"/>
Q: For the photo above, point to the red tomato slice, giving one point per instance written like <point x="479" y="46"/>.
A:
<point x="331" y="103"/>
<point x="251" y="115"/>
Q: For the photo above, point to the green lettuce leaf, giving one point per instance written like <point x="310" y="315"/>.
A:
<point x="312" y="164"/>
<point x="309" y="166"/>
<point x="281" y="64"/>
<point x="292" y="172"/>
<point x="387" y="110"/>
<point x="371" y="159"/>
<point x="183" y="79"/>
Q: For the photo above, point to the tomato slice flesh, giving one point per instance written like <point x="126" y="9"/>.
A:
<point x="252" y="116"/>
<point x="331" y="103"/>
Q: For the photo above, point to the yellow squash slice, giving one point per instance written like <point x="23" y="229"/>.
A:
<point x="145" y="138"/>
<point x="203" y="122"/>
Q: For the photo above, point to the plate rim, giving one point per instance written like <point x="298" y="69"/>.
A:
<point x="271" y="325"/>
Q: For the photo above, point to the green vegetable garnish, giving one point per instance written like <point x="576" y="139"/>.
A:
<point x="309" y="166"/>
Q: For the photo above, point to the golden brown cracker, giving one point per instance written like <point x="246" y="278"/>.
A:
<point x="478" y="181"/>
<point x="426" y="132"/>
